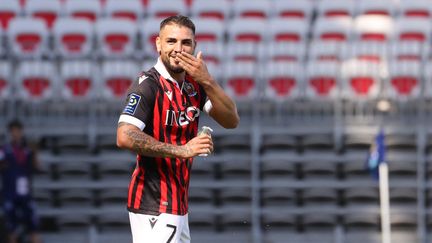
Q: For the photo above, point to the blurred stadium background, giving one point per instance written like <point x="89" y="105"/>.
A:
<point x="314" y="81"/>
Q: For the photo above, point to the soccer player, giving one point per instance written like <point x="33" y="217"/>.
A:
<point x="160" y="124"/>
<point x="17" y="162"/>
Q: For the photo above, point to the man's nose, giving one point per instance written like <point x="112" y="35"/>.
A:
<point x="178" y="47"/>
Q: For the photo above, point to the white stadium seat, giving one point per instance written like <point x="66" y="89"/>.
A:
<point x="8" y="11"/>
<point x="36" y="80"/>
<point x="47" y="10"/>
<point x="78" y="80"/>
<point x="87" y="9"/>
<point x="73" y="38"/>
<point x="127" y="9"/>
<point x="219" y="10"/>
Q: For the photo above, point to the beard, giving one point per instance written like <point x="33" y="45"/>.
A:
<point x="170" y="67"/>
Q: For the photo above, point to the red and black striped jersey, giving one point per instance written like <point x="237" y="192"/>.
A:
<point x="169" y="112"/>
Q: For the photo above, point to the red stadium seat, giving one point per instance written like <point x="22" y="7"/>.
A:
<point x="8" y="11"/>
<point x="373" y="28"/>
<point x="247" y="30"/>
<point x="336" y="8"/>
<point x="361" y="79"/>
<point x="78" y="80"/>
<point x="288" y="30"/>
<point x="149" y="31"/>
<point x="416" y="9"/>
<point x="28" y="37"/>
<point x="116" y="37"/>
<point x="130" y="9"/>
<point x="322" y="79"/>
<point x="73" y="37"/>
<point x="413" y="29"/>
<point x="218" y="10"/>
<point x="337" y="29"/>
<point x="47" y="10"/>
<point x="36" y="80"/>
<point x="367" y="51"/>
<point x="293" y="9"/>
<point x="240" y="80"/>
<point x="382" y="7"/>
<point x="251" y="9"/>
<point x="209" y="30"/>
<point x="87" y="9"/>
<point x="282" y="80"/>
<point x="117" y="76"/>
<point x="165" y="8"/>
<point x="405" y="80"/>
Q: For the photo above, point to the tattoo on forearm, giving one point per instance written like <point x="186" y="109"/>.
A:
<point x="146" y="145"/>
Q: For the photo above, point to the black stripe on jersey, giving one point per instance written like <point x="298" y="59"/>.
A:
<point x="135" y="187"/>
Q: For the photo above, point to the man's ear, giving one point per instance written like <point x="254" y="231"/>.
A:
<point x="158" y="45"/>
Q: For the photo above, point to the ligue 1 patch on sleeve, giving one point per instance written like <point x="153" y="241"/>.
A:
<point x="132" y="104"/>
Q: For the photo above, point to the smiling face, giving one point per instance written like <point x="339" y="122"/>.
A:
<point x="172" y="39"/>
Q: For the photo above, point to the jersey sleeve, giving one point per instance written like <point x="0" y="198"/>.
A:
<point x="139" y="103"/>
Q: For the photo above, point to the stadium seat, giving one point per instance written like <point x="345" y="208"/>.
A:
<point x="116" y="78"/>
<point x="402" y="165"/>
<point x="278" y="166"/>
<point x="247" y="30"/>
<point x="116" y="38"/>
<point x="113" y="197"/>
<point x="369" y="7"/>
<point x="405" y="80"/>
<point x="336" y="8"/>
<point x="209" y="30"/>
<point x="320" y="196"/>
<point x="36" y="80"/>
<point x="203" y="221"/>
<point x="278" y="219"/>
<point x="322" y="79"/>
<point x="242" y="52"/>
<point x="324" y="168"/>
<point x="78" y="78"/>
<point x="130" y="9"/>
<point x="319" y="221"/>
<point x="408" y="50"/>
<point x="336" y="29"/>
<point x="43" y="198"/>
<point x="112" y="170"/>
<point x="283" y="51"/>
<point x="214" y="53"/>
<point x="240" y="80"/>
<point x="235" y="196"/>
<point x="416" y="9"/>
<point x="403" y="197"/>
<point x="8" y="11"/>
<point x="73" y="38"/>
<point x="113" y="222"/>
<point x="236" y="219"/>
<point x="164" y="8"/>
<point x="240" y="170"/>
<point x="375" y="52"/>
<point x="282" y="80"/>
<point x="373" y="27"/>
<point x="413" y="29"/>
<point x="219" y="10"/>
<point x="149" y="31"/>
<point x="114" y="237"/>
<point x="47" y="10"/>
<point x="75" y="223"/>
<point x="275" y="197"/>
<point x="288" y="30"/>
<point x="69" y="171"/>
<point x="89" y="10"/>
<point x="361" y="220"/>
<point x="199" y="196"/>
<point x="251" y="9"/>
<point x="75" y="198"/>
<point x="27" y="37"/>
<point x="403" y="221"/>
<point x="320" y="50"/>
<point x="361" y="79"/>
<point x="358" y="196"/>
<point x="6" y="82"/>
<point x="293" y="9"/>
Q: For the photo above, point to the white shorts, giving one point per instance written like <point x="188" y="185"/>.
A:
<point x="165" y="228"/>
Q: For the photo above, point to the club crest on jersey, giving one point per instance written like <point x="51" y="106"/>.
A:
<point x="181" y="118"/>
<point x="189" y="89"/>
<point x="132" y="104"/>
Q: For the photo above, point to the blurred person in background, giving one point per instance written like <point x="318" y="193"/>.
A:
<point x="17" y="163"/>
<point x="160" y="124"/>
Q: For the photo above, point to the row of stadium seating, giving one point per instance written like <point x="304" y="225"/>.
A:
<point x="275" y="81"/>
<point x="71" y="38"/>
<point x="49" y="10"/>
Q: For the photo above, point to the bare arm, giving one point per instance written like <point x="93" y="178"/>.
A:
<point x="224" y="110"/>
<point x="132" y="138"/>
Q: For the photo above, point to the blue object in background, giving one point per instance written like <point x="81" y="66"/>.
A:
<point x="376" y="154"/>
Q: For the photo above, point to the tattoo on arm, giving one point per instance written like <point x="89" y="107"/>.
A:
<point x="146" y="145"/>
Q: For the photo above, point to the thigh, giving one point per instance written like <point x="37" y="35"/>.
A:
<point x="165" y="228"/>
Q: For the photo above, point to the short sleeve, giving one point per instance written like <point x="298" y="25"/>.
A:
<point x="139" y="103"/>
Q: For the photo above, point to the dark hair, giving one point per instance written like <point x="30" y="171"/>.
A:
<point x="179" y="20"/>
<point x="15" y="124"/>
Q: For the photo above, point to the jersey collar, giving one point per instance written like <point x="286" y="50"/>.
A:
<point x="160" y="67"/>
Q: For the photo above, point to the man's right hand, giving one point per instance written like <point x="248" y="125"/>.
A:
<point x="202" y="144"/>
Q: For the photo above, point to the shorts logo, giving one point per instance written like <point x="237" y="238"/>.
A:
<point x="133" y="104"/>
<point x="152" y="222"/>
